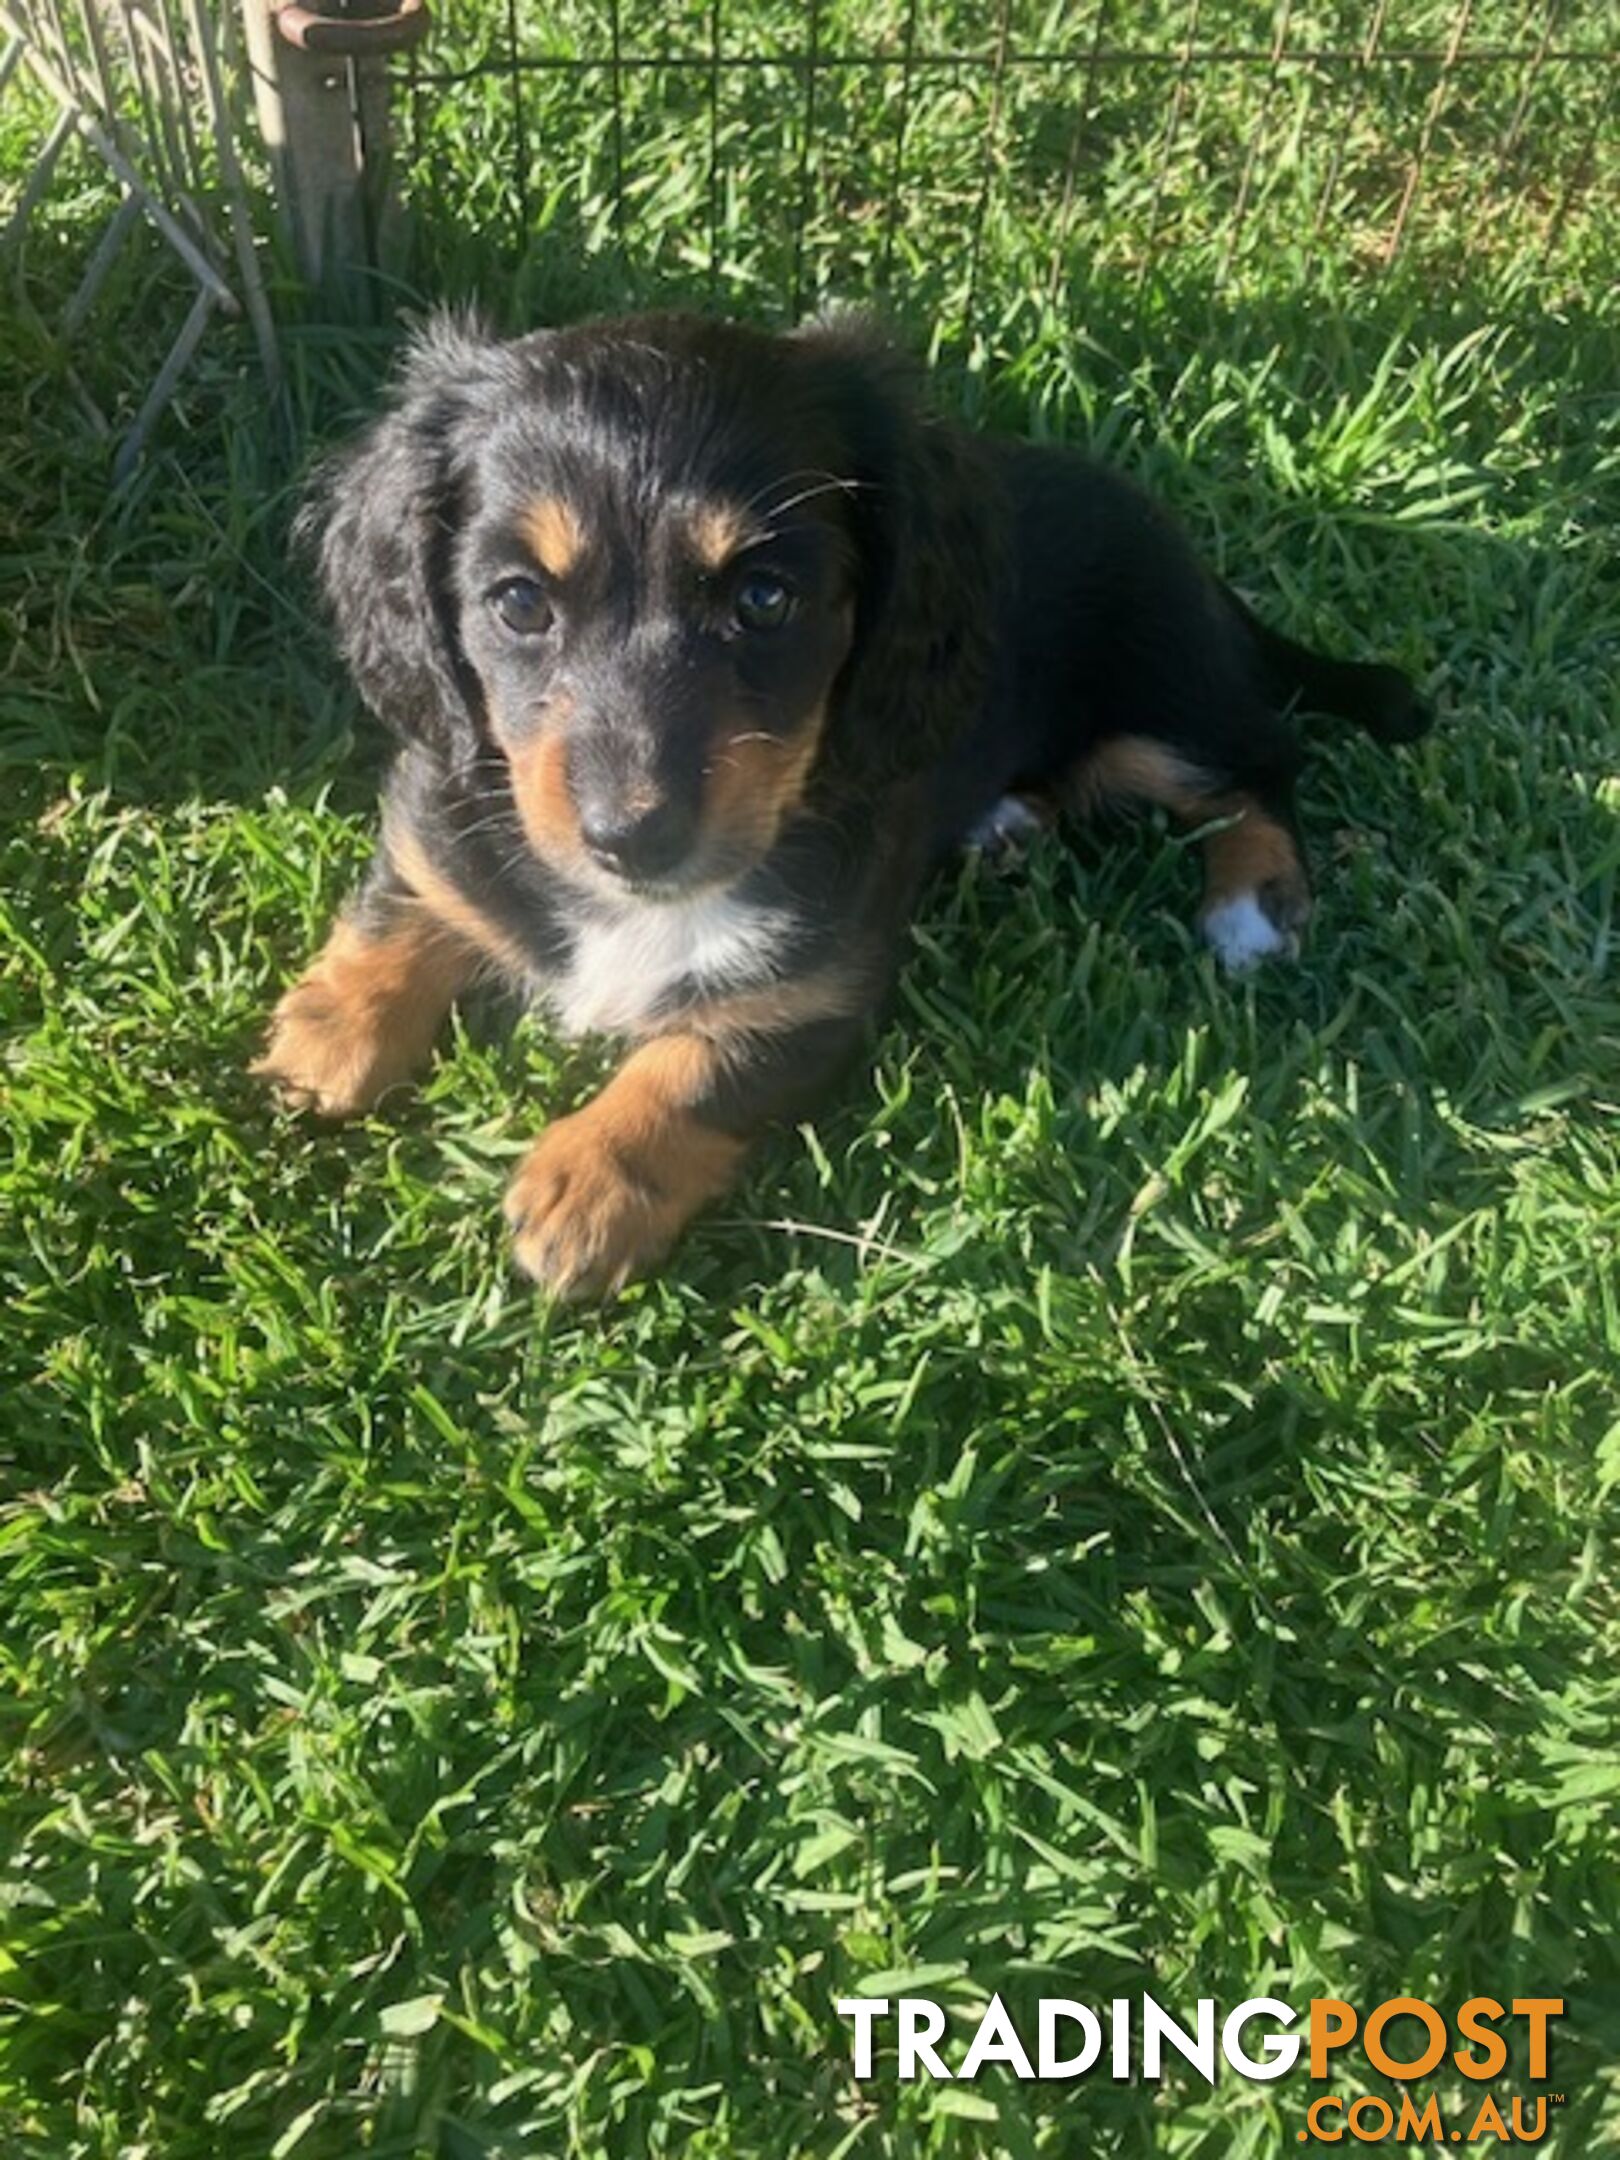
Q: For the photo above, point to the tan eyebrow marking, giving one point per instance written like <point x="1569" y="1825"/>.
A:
<point x="719" y="530"/>
<point x="552" y="528"/>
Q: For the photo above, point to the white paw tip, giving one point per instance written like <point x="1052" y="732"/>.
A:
<point x="1242" y="934"/>
<point x="1009" y="824"/>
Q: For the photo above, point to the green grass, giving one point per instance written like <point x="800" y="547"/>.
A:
<point x="1125" y="1502"/>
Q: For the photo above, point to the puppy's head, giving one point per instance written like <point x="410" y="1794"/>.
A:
<point x="650" y="564"/>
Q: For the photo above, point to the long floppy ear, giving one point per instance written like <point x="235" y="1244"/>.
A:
<point x="929" y="523"/>
<point x="383" y="517"/>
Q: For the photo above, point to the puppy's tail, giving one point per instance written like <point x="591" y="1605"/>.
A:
<point x="1376" y="696"/>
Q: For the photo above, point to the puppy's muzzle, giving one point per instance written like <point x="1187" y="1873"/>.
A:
<point x="637" y="841"/>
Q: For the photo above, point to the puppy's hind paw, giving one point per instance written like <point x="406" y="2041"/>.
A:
<point x="1244" y="928"/>
<point x="1009" y="827"/>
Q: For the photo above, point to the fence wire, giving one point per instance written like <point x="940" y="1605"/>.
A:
<point x="964" y="161"/>
<point x="771" y="153"/>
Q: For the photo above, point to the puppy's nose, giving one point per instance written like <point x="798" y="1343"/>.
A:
<point x="636" y="843"/>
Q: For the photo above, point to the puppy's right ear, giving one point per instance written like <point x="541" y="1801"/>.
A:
<point x="383" y="518"/>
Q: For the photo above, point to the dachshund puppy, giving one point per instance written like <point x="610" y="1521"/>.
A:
<point x="702" y="646"/>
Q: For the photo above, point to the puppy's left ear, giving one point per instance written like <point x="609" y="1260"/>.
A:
<point x="383" y="519"/>
<point x="929" y="524"/>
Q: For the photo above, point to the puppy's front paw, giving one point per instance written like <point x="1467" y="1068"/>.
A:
<point x="361" y="1019"/>
<point x="588" y="1214"/>
<point x="321" y="1056"/>
<point x="603" y="1195"/>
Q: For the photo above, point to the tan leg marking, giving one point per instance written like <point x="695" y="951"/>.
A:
<point x="1248" y="854"/>
<point x="603" y="1195"/>
<point x="1136" y="768"/>
<point x="364" y="1015"/>
<point x="448" y="905"/>
<point x="1251" y="853"/>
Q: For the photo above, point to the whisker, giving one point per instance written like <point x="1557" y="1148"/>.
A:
<point x="802" y="472"/>
<point x="830" y="486"/>
<point x="496" y="819"/>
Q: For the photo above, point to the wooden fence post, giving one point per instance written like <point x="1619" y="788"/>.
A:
<point x="321" y="88"/>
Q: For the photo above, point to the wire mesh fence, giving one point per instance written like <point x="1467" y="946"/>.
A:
<point x="768" y="154"/>
<point x="964" y="162"/>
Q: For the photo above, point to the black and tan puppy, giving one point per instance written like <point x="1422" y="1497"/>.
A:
<point x="701" y="646"/>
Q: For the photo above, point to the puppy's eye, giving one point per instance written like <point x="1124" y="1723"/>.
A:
<point x="522" y="605"/>
<point x="763" y="602"/>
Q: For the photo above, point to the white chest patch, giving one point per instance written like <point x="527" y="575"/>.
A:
<point x="631" y="955"/>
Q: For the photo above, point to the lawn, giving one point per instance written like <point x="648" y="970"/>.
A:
<point x="1127" y="1502"/>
